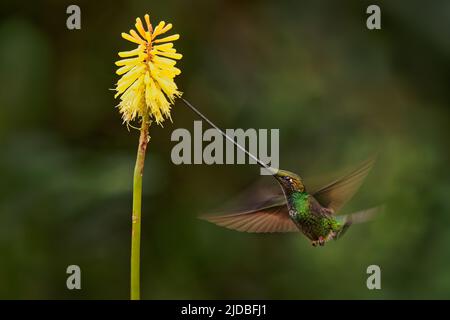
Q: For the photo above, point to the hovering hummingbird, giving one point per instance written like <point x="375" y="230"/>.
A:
<point x="315" y="214"/>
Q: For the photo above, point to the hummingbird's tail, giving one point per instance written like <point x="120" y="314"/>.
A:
<point x="262" y="164"/>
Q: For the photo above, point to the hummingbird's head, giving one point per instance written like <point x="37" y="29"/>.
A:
<point x="290" y="181"/>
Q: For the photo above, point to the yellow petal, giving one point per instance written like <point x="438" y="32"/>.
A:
<point x="166" y="28"/>
<point x="148" y="90"/>
<point x="128" y="61"/>
<point x="172" y="55"/>
<point x="163" y="46"/>
<point x="126" y="36"/>
<point x="147" y="78"/>
<point x="124" y="69"/>
<point x="164" y="61"/>
<point x="158" y="29"/>
<point x="136" y="36"/>
<point x="128" y="79"/>
<point x="138" y="99"/>
<point x="147" y="21"/>
<point x="170" y="72"/>
<point x="148" y="36"/>
<point x="156" y="52"/>
<point x="163" y="103"/>
<point x="167" y="39"/>
<point x="135" y="52"/>
<point x="167" y="86"/>
<point x="140" y="27"/>
<point x="133" y="74"/>
<point x="164" y="71"/>
<point x="176" y="71"/>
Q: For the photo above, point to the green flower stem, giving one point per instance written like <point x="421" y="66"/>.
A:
<point x="136" y="217"/>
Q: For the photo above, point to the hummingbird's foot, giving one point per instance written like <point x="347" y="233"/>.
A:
<point x="321" y="241"/>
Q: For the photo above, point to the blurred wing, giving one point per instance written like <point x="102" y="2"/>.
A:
<point x="274" y="218"/>
<point x="337" y="193"/>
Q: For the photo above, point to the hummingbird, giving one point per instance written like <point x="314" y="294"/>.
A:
<point x="315" y="213"/>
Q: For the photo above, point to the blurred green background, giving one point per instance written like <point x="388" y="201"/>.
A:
<point x="337" y="91"/>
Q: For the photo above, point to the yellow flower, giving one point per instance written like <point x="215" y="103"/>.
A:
<point x="147" y="87"/>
